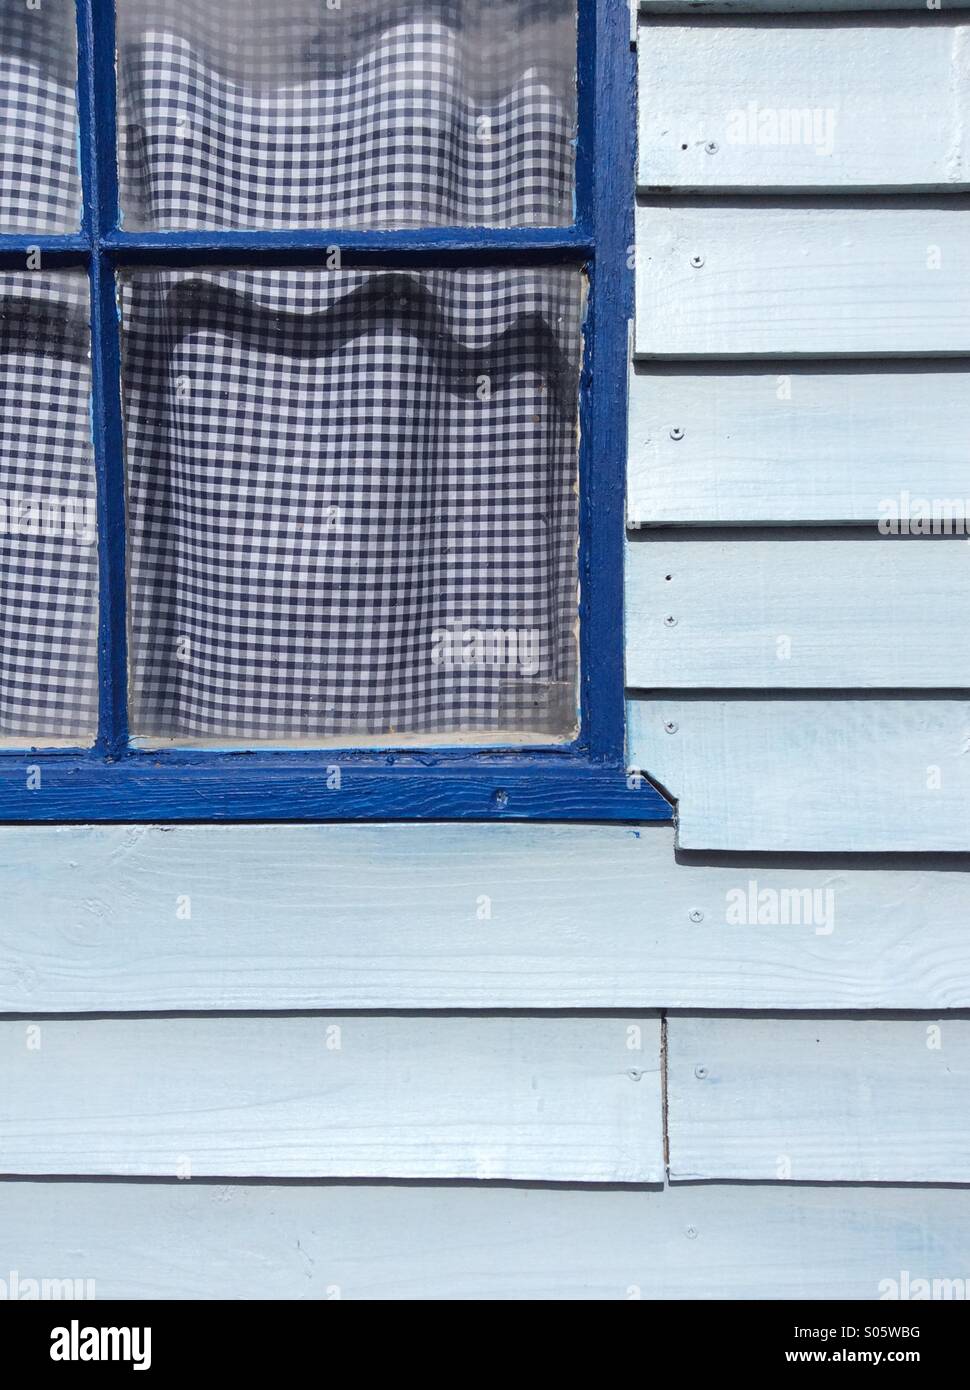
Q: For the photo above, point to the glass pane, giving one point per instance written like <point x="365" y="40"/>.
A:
<point x="352" y="503"/>
<point x="48" y="550"/>
<point x="376" y="113"/>
<point x="40" y="186"/>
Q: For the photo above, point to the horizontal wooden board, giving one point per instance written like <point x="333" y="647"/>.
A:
<point x="794" y="445"/>
<point x="457" y="917"/>
<point x="822" y="775"/>
<point x="313" y="1242"/>
<point x="821" y="103"/>
<point x="832" y="1100"/>
<point x="531" y="785"/>
<point x="794" y="613"/>
<point x="802" y="280"/>
<point x="557" y="1099"/>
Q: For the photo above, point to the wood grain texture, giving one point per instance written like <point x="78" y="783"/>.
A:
<point x="793" y="445"/>
<point x="833" y="1100"/>
<point x="558" y="1099"/>
<point x="822" y="775"/>
<point x="261" y="786"/>
<point x="802" y="104"/>
<point x="455" y="917"/>
<point x="797" y="613"/>
<point x="802" y="280"/>
<point x="202" y="1241"/>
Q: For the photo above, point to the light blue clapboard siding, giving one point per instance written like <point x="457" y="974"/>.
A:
<point x="554" y="1099"/>
<point x="512" y="916"/>
<point x="198" y="1240"/>
<point x="788" y="444"/>
<point x="802" y="280"/>
<point x="810" y="103"/>
<point x="810" y="774"/>
<point x="778" y="278"/>
<point x="796" y="613"/>
<point x="388" y="917"/>
<point x="860" y="1100"/>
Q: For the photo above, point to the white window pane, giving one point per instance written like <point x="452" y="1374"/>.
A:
<point x="352" y="503"/>
<point x="48" y="541"/>
<point x="40" y="185"/>
<point x="379" y="113"/>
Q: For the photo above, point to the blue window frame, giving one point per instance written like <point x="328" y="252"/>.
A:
<point x="582" y="780"/>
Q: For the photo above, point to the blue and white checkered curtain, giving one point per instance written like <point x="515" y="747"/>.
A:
<point x="368" y="113"/>
<point x="352" y="496"/>
<point x="352" y="502"/>
<point x="48" y="528"/>
<point x="40" y="186"/>
<point x="48" y="555"/>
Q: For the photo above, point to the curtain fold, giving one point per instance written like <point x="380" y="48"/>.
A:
<point x="419" y="112"/>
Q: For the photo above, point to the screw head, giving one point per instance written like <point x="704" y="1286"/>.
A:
<point x="634" y="1074"/>
<point x="696" y="915"/>
<point x="697" y="262"/>
<point x="691" y="1233"/>
<point x="676" y="432"/>
<point x="670" y="726"/>
<point x="700" y="1073"/>
<point x="500" y="797"/>
<point x="711" y="147"/>
<point x="670" y="620"/>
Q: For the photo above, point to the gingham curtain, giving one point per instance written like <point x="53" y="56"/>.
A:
<point x="330" y="473"/>
<point x="48" y="551"/>
<point x="40" y="186"/>
<point x="242" y="113"/>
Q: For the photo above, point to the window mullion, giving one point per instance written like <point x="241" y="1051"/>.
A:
<point x="603" y="447"/>
<point x="346" y="249"/>
<point x="96" y="108"/>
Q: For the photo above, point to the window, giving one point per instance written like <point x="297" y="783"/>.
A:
<point x="344" y="294"/>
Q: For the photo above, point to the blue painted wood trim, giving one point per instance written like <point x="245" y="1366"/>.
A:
<point x="582" y="781"/>
<point x="433" y="247"/>
<point x="603" y="451"/>
<point x="56" y="251"/>
<point x="96" y="111"/>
